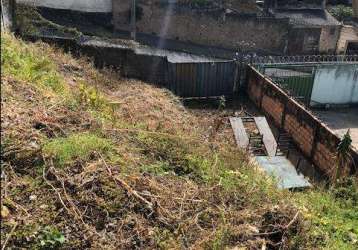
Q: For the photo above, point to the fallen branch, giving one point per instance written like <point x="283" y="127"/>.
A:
<point x="292" y="221"/>
<point x="128" y="188"/>
<point x="278" y="231"/>
<point x="54" y="189"/>
<point x="174" y="198"/>
<point x="9" y="236"/>
<point x="76" y="213"/>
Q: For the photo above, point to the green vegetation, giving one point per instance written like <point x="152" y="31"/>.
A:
<point x="341" y="12"/>
<point x="332" y="215"/>
<point x="26" y="63"/>
<point x="76" y="147"/>
<point x="30" y="22"/>
<point x="50" y="238"/>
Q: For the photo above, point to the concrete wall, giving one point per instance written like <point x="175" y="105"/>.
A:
<point x="315" y="140"/>
<point x="328" y="39"/>
<point x="335" y="84"/>
<point x="7" y="14"/>
<point x="211" y="28"/>
<point x="355" y="8"/>
<point x="78" y="5"/>
<point x="301" y="4"/>
<point x="313" y="40"/>
<point x="348" y="34"/>
<point x="304" y="41"/>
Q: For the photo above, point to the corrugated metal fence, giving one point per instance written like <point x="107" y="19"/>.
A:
<point x="202" y="79"/>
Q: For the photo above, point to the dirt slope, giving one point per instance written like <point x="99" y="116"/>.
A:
<point x="92" y="161"/>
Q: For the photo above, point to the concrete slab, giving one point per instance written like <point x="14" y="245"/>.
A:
<point x="241" y="137"/>
<point x="268" y="138"/>
<point x="283" y="170"/>
<point x="340" y="121"/>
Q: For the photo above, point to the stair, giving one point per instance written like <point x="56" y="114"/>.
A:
<point x="284" y="144"/>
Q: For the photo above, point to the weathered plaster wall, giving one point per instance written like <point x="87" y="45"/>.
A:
<point x="348" y="33"/>
<point x="355" y="8"/>
<point x="212" y="28"/>
<point x="304" y="40"/>
<point x="315" y="140"/>
<point x="328" y="39"/>
<point x="335" y="84"/>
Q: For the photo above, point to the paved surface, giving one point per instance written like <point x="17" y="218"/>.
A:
<point x="240" y="134"/>
<point x="341" y="120"/>
<point x="283" y="171"/>
<point x="268" y="138"/>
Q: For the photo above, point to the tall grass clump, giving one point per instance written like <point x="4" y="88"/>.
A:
<point x="76" y="147"/>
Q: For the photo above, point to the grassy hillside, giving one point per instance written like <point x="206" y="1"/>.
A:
<point x="90" y="160"/>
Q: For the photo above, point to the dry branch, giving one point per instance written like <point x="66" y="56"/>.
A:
<point x="128" y="188"/>
<point x="9" y="236"/>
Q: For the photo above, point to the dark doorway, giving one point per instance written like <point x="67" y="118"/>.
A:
<point x="352" y="48"/>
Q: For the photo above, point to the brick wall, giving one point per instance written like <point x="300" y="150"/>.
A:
<point x="315" y="140"/>
<point x="271" y="106"/>
<point x="301" y="132"/>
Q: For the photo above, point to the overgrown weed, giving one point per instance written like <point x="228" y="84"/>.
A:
<point x="66" y="151"/>
<point x="26" y="62"/>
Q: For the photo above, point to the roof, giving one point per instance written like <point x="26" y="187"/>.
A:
<point x="308" y="17"/>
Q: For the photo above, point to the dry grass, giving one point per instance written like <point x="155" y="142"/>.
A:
<point x="172" y="182"/>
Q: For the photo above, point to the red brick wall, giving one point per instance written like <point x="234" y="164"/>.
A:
<point x="301" y="132"/>
<point x="255" y="91"/>
<point x="273" y="107"/>
<point x="311" y="136"/>
<point x="325" y="159"/>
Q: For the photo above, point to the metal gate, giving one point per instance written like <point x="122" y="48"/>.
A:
<point x="296" y="80"/>
<point x="202" y="79"/>
<point x="298" y="86"/>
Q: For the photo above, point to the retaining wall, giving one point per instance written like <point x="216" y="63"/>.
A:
<point x="100" y="6"/>
<point x="315" y="140"/>
<point x="185" y="75"/>
<point x="215" y="28"/>
<point x="123" y="58"/>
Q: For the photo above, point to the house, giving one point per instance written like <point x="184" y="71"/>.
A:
<point x="280" y="27"/>
<point x="348" y="39"/>
<point x="312" y="29"/>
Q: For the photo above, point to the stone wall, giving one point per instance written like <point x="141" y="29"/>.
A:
<point x="214" y="28"/>
<point x="315" y="140"/>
